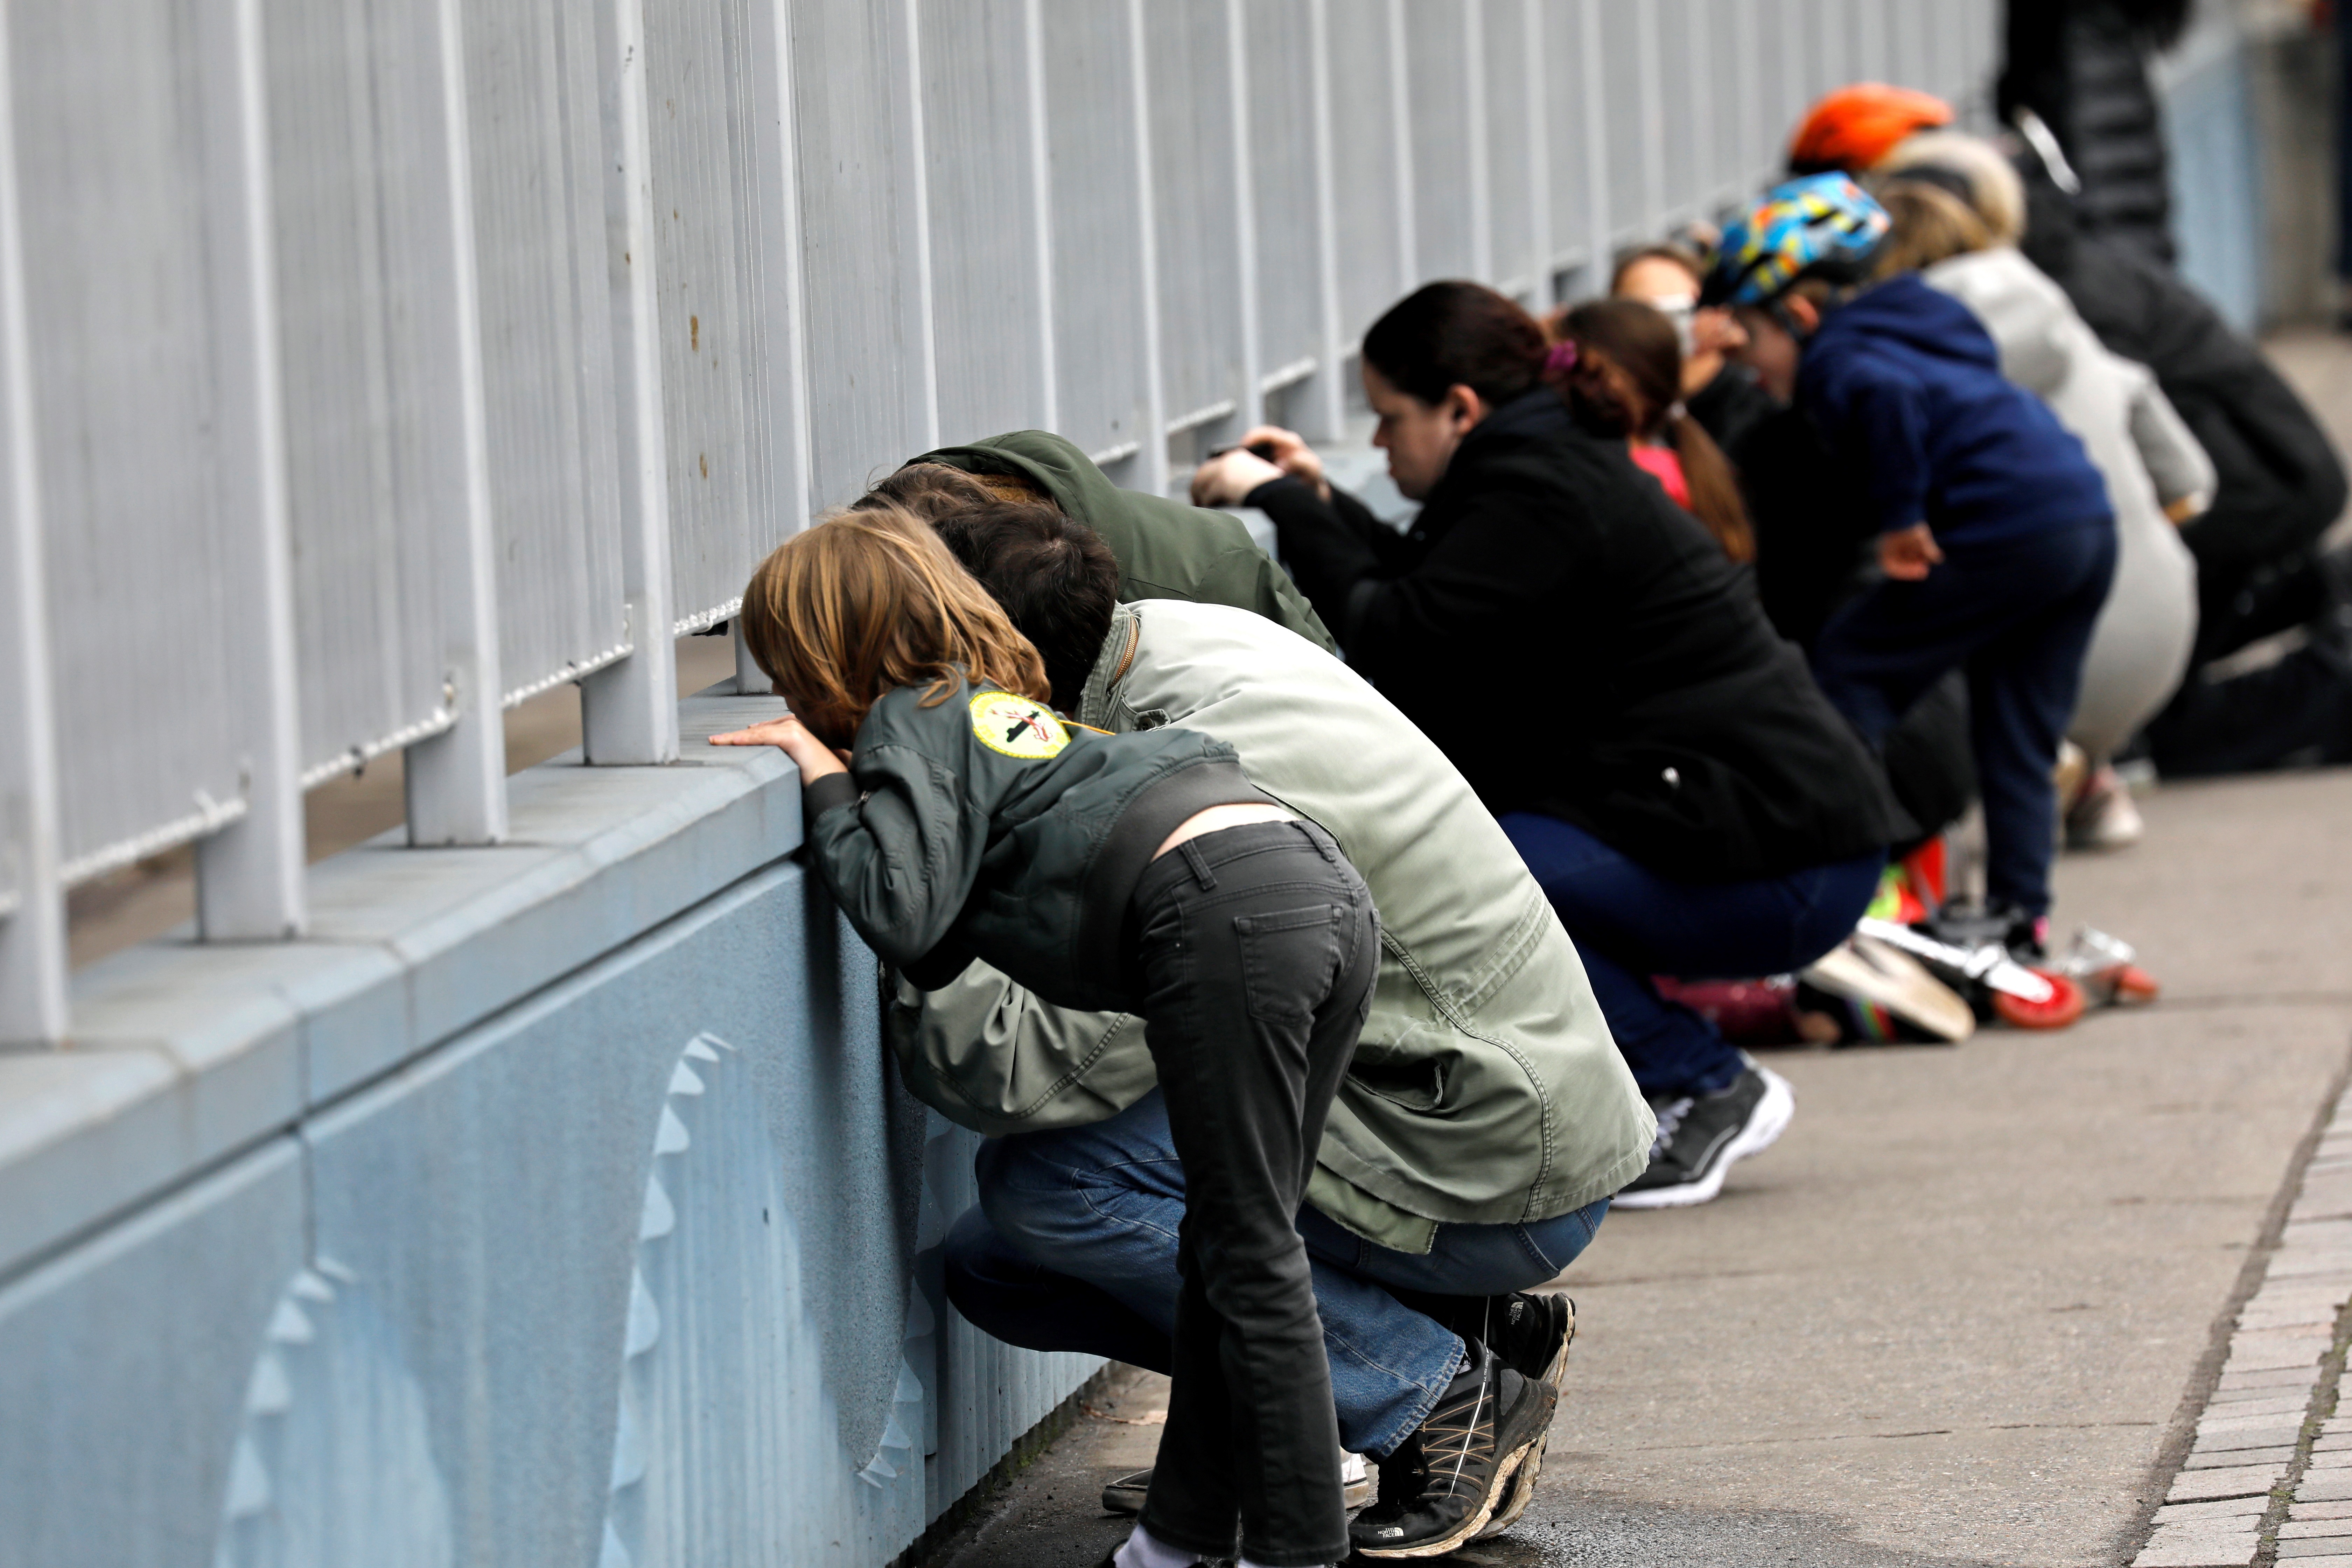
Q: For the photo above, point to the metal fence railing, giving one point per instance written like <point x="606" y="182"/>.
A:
<point x="368" y="365"/>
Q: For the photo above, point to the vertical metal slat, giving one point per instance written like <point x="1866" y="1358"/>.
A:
<point x="249" y="873"/>
<point x="1153" y="457"/>
<point x="456" y="781"/>
<point x="33" y="929"/>
<point x="628" y="710"/>
<point x="1249" y="397"/>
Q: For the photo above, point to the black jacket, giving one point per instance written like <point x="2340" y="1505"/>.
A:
<point x="2280" y="483"/>
<point x="1578" y="646"/>
<point x="2083" y="66"/>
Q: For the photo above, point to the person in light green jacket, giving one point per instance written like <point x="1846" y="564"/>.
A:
<point x="1487" y="1116"/>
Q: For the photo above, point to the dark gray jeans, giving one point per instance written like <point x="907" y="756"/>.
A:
<point x="1255" y="952"/>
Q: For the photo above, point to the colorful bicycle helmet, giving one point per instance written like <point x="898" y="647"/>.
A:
<point x="1852" y="129"/>
<point x="1823" y="226"/>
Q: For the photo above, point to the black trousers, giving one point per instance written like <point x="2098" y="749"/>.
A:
<point x="1255" y="949"/>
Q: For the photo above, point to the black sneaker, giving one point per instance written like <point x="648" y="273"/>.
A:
<point x="1699" y="1138"/>
<point x="1441" y="1486"/>
<point x="1528" y="1331"/>
<point x="1125" y="1494"/>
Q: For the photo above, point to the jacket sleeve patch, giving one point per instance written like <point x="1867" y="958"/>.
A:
<point x="1016" y="726"/>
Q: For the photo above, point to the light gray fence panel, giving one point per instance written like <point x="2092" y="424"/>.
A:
<point x="1629" y="155"/>
<point x="1448" y="163"/>
<point x="869" y="401"/>
<point x="1677" y="115"/>
<point x="1282" y="187"/>
<point x="375" y="476"/>
<point x="128" y="373"/>
<point x="1866" y="21"/>
<point x="1194" y="215"/>
<point x="1516" y="207"/>
<point x="1567" y="114"/>
<point x="711" y="217"/>
<point x="1732" y="68"/>
<point x="1375" y="266"/>
<point x="1096" y="202"/>
<point x="987" y="287"/>
<point x="1906" y="45"/>
<point x="547" y="338"/>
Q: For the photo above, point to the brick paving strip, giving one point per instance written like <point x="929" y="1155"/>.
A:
<point x="2268" y="1478"/>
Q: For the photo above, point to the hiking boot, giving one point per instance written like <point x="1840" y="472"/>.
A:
<point x="1125" y="1494"/>
<point x="1441" y="1487"/>
<point x="1698" y="1138"/>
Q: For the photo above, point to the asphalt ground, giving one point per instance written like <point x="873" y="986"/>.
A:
<point x="1967" y="1310"/>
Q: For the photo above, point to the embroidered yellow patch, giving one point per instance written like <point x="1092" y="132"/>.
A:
<point x="1017" y="726"/>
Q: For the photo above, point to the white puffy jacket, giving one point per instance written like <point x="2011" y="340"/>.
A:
<point x="2139" y="650"/>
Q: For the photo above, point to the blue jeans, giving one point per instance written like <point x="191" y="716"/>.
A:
<point x="1630" y="924"/>
<point x="1073" y="1248"/>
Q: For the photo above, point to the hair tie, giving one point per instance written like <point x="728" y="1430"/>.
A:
<point x="1560" y="359"/>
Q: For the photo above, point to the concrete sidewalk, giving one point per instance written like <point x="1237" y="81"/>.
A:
<point x="1967" y="1312"/>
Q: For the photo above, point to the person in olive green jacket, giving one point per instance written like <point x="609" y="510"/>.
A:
<point x="1166" y="549"/>
<point x="1486" y="1118"/>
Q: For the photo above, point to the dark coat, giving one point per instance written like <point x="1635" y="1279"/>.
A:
<point x="1578" y="646"/>
<point x="1906" y="385"/>
<point x="2280" y="484"/>
<point x="2083" y="66"/>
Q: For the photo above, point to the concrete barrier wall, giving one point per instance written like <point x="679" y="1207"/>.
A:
<point x="625" y="1263"/>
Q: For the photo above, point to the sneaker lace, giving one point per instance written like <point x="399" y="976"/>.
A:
<point x="1670" y="1117"/>
<point x="1452" y="1439"/>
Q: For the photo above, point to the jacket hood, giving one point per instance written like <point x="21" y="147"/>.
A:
<point x="1907" y="310"/>
<point x="2026" y="314"/>
<point x="1051" y="462"/>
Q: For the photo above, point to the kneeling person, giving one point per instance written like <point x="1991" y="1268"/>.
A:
<point x="1470" y="1152"/>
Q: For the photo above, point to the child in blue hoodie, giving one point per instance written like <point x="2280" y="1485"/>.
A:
<point x="1995" y="535"/>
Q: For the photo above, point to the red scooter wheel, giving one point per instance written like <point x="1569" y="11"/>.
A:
<point x="2063" y="1007"/>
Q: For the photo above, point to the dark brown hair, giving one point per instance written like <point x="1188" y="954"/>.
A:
<point x="1443" y="335"/>
<point x="868" y="601"/>
<point x="1644" y="402"/>
<point x="1052" y="575"/>
<point x="934" y="491"/>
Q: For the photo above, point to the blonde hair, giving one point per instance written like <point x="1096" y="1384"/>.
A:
<point x="868" y="601"/>
<point x="1995" y="189"/>
<point x="1929" y="225"/>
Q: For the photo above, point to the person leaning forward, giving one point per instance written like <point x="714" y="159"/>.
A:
<point x="1469" y="1152"/>
<point x="1166" y="550"/>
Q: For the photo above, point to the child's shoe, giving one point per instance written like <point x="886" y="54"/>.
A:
<point x="2108" y="969"/>
<point x="2101" y="815"/>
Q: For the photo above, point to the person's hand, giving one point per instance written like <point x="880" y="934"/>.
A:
<point x="1714" y="330"/>
<point x="1907" y="554"/>
<point x="1225" y="479"/>
<point x="1291" y="454"/>
<point x="789" y="736"/>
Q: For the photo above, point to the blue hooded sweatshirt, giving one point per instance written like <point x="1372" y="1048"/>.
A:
<point x="1903" y="383"/>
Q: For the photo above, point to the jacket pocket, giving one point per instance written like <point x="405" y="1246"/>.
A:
<point x="1290" y="960"/>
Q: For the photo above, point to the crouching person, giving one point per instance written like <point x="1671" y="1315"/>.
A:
<point x="1141" y="873"/>
<point x="1471" y="1147"/>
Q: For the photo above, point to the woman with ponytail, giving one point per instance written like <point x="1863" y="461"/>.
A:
<point x="1594" y="664"/>
<point x="1627" y="382"/>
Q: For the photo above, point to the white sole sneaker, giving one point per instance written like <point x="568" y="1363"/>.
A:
<point x="1763" y="1129"/>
